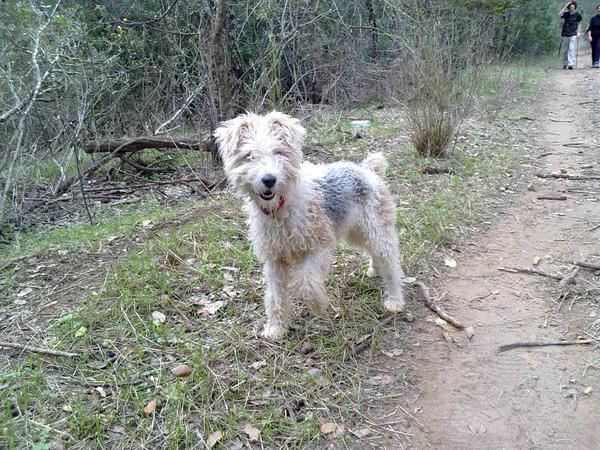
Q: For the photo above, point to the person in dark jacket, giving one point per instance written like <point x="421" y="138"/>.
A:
<point x="593" y="31"/>
<point x="570" y="32"/>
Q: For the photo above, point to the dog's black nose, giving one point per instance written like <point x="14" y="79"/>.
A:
<point x="269" y="180"/>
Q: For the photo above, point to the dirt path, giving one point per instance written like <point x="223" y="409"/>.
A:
<point x="473" y="397"/>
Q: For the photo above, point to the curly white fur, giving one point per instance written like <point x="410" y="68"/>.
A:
<point x="298" y="211"/>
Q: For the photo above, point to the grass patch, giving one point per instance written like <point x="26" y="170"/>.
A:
<point x="285" y="390"/>
<point x="119" y="221"/>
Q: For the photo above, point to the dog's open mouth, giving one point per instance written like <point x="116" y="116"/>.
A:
<point x="267" y="195"/>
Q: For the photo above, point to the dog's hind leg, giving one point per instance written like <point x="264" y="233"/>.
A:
<point x="309" y="280"/>
<point x="385" y="258"/>
<point x="277" y="303"/>
<point x="372" y="271"/>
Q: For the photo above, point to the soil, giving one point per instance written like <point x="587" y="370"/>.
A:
<point x="470" y="396"/>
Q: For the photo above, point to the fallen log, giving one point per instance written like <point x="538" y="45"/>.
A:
<point x="140" y="143"/>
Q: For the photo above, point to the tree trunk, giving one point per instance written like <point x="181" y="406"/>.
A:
<point x="222" y="85"/>
<point x="221" y="64"/>
<point x="374" y="32"/>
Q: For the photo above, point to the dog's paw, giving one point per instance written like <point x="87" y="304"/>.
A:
<point x="371" y="272"/>
<point x="394" y="304"/>
<point x="272" y="332"/>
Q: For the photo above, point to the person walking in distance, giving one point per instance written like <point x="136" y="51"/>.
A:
<point x="593" y="31"/>
<point x="570" y="31"/>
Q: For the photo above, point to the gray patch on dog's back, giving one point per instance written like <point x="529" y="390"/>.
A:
<point x="343" y="188"/>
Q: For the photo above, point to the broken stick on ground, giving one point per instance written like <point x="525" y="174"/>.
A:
<point x="435" y="308"/>
<point x="507" y="347"/>
<point x="44" y="351"/>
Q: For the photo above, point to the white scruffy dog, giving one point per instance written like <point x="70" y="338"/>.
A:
<point x="299" y="210"/>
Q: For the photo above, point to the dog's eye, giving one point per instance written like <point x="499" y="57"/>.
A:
<point x="247" y="156"/>
<point x="279" y="153"/>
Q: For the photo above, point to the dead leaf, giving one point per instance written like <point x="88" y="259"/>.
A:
<point x="213" y="307"/>
<point x="328" y="427"/>
<point x="150" y="407"/>
<point x="332" y="429"/>
<point x="536" y="260"/>
<point x="81" y="332"/>
<point x="99" y="391"/>
<point x="158" y="318"/>
<point x="182" y="370"/>
<point x="588" y="390"/>
<point x="228" y="278"/>
<point x="231" y="292"/>
<point x="450" y="262"/>
<point x="213" y="439"/>
<point x="361" y="432"/>
<point x="24" y="292"/>
<point x="380" y="380"/>
<point x="470" y="332"/>
<point x="258" y="364"/>
<point x="252" y="432"/>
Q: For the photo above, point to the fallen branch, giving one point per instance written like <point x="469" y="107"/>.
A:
<point x="504" y="348"/>
<point x="576" y="144"/>
<point x="530" y="271"/>
<point x="435" y="308"/>
<point x="551" y="197"/>
<point x="567" y="176"/>
<point x="587" y="265"/>
<point x="140" y="143"/>
<point x="44" y="351"/>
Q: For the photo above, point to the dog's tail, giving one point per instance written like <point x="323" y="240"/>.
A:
<point x="375" y="162"/>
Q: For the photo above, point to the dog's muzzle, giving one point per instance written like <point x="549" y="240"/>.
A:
<point x="268" y="181"/>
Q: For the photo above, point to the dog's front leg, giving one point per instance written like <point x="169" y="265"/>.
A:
<point x="277" y="303"/>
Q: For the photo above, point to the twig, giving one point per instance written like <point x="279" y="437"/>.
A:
<point x="530" y="271"/>
<point x="551" y="197"/>
<point x="569" y="278"/>
<point x="435" y="308"/>
<point x="576" y="144"/>
<point x="44" y="351"/>
<point x="367" y="341"/>
<point x="504" y="348"/>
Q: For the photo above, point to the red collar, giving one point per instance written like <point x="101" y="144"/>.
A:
<point x="269" y="212"/>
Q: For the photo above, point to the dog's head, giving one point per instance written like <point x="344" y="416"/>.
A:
<point x="261" y="154"/>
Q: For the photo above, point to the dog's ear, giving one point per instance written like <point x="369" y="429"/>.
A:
<point x="230" y="134"/>
<point x="286" y="128"/>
